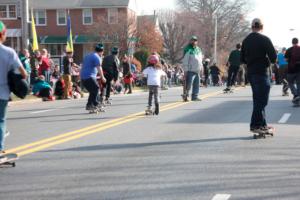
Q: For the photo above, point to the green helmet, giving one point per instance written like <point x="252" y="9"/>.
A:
<point x="2" y="27"/>
<point x="99" y="47"/>
<point x="115" y="50"/>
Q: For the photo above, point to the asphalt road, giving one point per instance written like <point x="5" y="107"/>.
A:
<point x="191" y="151"/>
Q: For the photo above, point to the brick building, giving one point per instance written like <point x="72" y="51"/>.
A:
<point x="11" y="15"/>
<point x="111" y="22"/>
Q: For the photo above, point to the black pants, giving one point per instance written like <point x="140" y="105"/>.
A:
<point x="232" y="74"/>
<point x="45" y="93"/>
<point x="92" y="87"/>
<point x="283" y="79"/>
<point x="128" y="86"/>
<point x="106" y="87"/>
<point x="260" y="85"/>
<point x="153" y="91"/>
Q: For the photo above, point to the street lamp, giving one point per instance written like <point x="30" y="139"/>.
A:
<point x="215" y="20"/>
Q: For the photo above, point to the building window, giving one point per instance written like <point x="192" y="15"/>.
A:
<point x="87" y="15"/>
<point x="112" y="15"/>
<point x="55" y="49"/>
<point x="8" y="12"/>
<point x="40" y="17"/>
<point x="61" y="16"/>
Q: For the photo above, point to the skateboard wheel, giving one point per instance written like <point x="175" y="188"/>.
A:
<point x="14" y="164"/>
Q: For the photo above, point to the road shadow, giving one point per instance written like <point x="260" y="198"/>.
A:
<point x="237" y="111"/>
<point x="152" y="144"/>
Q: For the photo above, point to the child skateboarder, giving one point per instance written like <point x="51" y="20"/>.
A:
<point x="153" y="73"/>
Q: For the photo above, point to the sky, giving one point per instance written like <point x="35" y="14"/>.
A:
<point x="279" y="16"/>
<point x="148" y="6"/>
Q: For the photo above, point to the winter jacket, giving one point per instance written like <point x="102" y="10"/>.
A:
<point x="39" y="85"/>
<point x="110" y="67"/>
<point x="192" y="61"/>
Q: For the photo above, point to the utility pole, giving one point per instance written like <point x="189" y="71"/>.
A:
<point x="216" y="40"/>
<point x="24" y="19"/>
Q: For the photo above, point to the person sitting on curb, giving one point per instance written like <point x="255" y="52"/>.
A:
<point x="43" y="89"/>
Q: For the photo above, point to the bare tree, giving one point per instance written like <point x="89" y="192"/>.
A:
<point x="175" y="33"/>
<point x="232" y="23"/>
<point x="121" y="34"/>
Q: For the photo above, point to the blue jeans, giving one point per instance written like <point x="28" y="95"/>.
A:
<point x="3" y="110"/>
<point x="92" y="87"/>
<point x="261" y="86"/>
<point x="47" y="74"/>
<point x="294" y="83"/>
<point x="192" y="81"/>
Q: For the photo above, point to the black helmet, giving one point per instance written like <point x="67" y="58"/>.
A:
<point x="99" y="47"/>
<point x="115" y="50"/>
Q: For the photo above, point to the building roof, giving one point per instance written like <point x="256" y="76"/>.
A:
<point x="73" y="4"/>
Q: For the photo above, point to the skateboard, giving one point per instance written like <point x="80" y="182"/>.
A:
<point x="154" y="111"/>
<point x="149" y="112"/>
<point x="263" y="134"/>
<point x="8" y="160"/>
<point x="97" y="110"/>
<point x="107" y="102"/>
<point x="228" y="91"/>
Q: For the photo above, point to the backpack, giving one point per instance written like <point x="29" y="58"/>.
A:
<point x="17" y="84"/>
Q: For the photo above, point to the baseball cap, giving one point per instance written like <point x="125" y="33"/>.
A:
<point x="2" y="27"/>
<point x="194" y="38"/>
<point x="257" y="22"/>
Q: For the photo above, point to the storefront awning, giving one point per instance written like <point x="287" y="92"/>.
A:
<point x="54" y="40"/>
<point x="83" y="39"/>
<point x="77" y="39"/>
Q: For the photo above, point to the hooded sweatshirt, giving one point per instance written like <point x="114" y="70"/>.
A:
<point x="192" y="61"/>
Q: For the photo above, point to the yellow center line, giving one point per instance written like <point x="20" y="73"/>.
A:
<point x="63" y="138"/>
<point x="93" y="127"/>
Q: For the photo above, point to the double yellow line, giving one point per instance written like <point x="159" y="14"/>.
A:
<point x="66" y="137"/>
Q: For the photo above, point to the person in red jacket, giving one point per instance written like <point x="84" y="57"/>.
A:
<point x="45" y="66"/>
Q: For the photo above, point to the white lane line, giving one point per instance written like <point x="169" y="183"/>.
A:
<point x="42" y="111"/>
<point x="285" y="118"/>
<point x="222" y="197"/>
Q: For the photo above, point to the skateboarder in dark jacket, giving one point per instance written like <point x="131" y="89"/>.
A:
<point x="258" y="53"/>
<point x="110" y="67"/>
<point x="234" y="63"/>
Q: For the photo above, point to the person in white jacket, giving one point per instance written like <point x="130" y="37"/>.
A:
<point x="192" y="67"/>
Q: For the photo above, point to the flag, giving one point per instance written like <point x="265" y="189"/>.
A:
<point x="69" y="36"/>
<point x="35" y="45"/>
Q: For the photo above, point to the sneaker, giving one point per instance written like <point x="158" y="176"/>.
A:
<point x="89" y="107"/>
<point x="285" y="94"/>
<point x="7" y="133"/>
<point x="268" y="129"/>
<point x="185" y="98"/>
<point x="197" y="99"/>
<point x="296" y="99"/>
